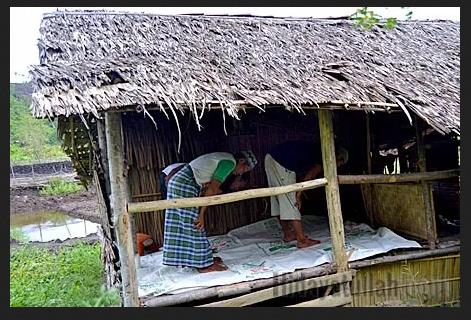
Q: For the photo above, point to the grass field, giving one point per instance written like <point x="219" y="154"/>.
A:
<point x="70" y="277"/>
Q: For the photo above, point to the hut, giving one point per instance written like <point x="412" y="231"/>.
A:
<point x="136" y="92"/>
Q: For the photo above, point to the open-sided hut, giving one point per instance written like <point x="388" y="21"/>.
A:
<point x="136" y="92"/>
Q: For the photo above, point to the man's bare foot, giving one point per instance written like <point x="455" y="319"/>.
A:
<point x="217" y="260"/>
<point x="212" y="268"/>
<point x="307" y="242"/>
<point x="290" y="237"/>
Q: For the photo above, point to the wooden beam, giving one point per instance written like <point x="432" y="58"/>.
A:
<point x="121" y="222"/>
<point x="368" y="143"/>
<point x="366" y="189"/>
<point x="283" y="290"/>
<point x="103" y="152"/>
<point x="132" y="220"/>
<point x="405" y="256"/>
<point x="397" y="178"/>
<point x="264" y="108"/>
<point x="332" y="189"/>
<point x="235" y="289"/>
<point x="143" y="195"/>
<point x="426" y="187"/>
<point x="335" y="300"/>
<point x="149" y="206"/>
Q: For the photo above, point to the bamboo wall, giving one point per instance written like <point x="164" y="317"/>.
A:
<point x="422" y="282"/>
<point x="400" y="207"/>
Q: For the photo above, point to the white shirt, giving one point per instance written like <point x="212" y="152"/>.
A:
<point x="204" y="166"/>
<point x="168" y="169"/>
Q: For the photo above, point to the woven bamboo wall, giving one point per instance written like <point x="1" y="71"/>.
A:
<point x="427" y="282"/>
<point x="400" y="207"/>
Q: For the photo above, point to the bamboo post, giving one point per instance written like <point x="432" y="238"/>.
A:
<point x="368" y="143"/>
<point x="332" y="189"/>
<point x="132" y="219"/>
<point x="103" y="153"/>
<point x="121" y="222"/>
<point x="426" y="187"/>
<point x="367" y="188"/>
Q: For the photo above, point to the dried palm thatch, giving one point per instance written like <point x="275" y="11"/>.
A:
<point x="95" y="61"/>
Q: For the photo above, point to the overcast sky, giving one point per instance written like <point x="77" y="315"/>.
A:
<point x="24" y="23"/>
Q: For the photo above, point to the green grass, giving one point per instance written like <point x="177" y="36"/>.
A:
<point x="24" y="155"/>
<point x="31" y="139"/>
<point x="70" y="277"/>
<point x="57" y="186"/>
<point x="18" y="235"/>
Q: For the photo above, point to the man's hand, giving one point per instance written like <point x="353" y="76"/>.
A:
<point x="199" y="222"/>
<point x="211" y="188"/>
<point x="299" y="195"/>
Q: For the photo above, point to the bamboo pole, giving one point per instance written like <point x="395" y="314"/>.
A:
<point x="103" y="153"/>
<point x="132" y="219"/>
<point x="284" y="289"/>
<point x="368" y="142"/>
<point x="397" y="178"/>
<point x="405" y="256"/>
<point x="238" y="288"/>
<point x="121" y="221"/>
<point x="426" y="188"/>
<point x="367" y="189"/>
<point x="224" y="198"/>
<point x="332" y="105"/>
<point x="335" y="300"/>
<point x="332" y="190"/>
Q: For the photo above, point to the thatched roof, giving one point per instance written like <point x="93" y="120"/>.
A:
<point x="92" y="62"/>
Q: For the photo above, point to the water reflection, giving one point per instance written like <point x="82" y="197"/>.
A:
<point x="47" y="226"/>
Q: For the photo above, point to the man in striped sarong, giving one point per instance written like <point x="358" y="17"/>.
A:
<point x="185" y="241"/>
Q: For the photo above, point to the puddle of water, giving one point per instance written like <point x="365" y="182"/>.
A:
<point x="47" y="226"/>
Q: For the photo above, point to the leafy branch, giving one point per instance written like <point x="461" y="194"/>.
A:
<point x="367" y="19"/>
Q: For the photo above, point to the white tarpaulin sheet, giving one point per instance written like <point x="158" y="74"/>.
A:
<point x="256" y="251"/>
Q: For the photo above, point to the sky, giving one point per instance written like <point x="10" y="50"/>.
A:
<point x="24" y="23"/>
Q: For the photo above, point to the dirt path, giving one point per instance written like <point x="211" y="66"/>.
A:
<point x="82" y="205"/>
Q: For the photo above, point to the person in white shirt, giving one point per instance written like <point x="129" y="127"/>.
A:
<point x="185" y="241"/>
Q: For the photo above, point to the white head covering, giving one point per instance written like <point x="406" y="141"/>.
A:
<point x="250" y="158"/>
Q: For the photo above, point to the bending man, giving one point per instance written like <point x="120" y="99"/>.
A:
<point x="285" y="164"/>
<point x="185" y="241"/>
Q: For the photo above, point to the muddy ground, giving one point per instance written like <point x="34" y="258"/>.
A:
<point x="81" y="205"/>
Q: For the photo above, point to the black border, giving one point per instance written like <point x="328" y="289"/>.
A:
<point x="258" y="313"/>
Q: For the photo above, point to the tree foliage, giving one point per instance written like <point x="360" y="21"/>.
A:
<point x="31" y="138"/>
<point x="366" y="19"/>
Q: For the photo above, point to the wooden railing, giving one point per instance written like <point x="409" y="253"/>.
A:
<point x="150" y="206"/>
<point x="224" y="198"/>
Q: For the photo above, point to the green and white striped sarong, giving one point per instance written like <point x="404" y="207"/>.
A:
<point x="184" y="244"/>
